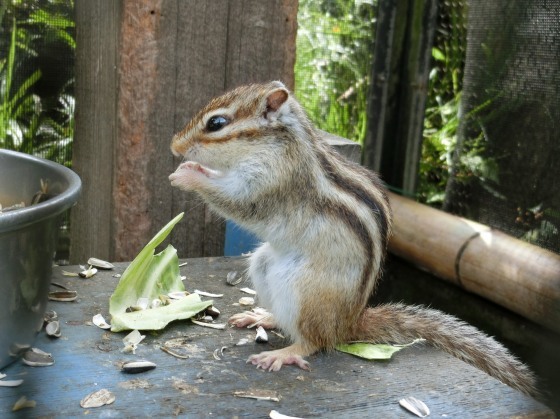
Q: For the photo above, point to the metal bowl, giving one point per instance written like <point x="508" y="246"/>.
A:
<point x="28" y="238"/>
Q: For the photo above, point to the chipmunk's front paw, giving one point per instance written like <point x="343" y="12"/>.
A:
<point x="186" y="177"/>
<point x="191" y="175"/>
<point x="273" y="360"/>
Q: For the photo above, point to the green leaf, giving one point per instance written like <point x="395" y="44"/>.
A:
<point x="438" y="54"/>
<point x="372" y="351"/>
<point x="149" y="276"/>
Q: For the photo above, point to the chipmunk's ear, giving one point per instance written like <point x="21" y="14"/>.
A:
<point x="275" y="99"/>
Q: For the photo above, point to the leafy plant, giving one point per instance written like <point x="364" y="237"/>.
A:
<point x="36" y="78"/>
<point x="334" y="54"/>
<point x="441" y="122"/>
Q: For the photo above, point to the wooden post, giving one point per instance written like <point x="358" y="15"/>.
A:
<point x="144" y="68"/>
<point x="401" y="65"/>
<point x="97" y="37"/>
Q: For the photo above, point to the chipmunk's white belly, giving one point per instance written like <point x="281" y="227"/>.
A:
<point x="274" y="275"/>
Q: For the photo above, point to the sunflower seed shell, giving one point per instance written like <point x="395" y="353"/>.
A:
<point x="135" y="367"/>
<point x="101" y="264"/>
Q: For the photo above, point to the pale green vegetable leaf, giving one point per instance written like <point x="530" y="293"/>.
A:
<point x="372" y="351"/>
<point x="149" y="276"/>
<point x="158" y="318"/>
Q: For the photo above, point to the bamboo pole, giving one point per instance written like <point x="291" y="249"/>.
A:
<point x="519" y="276"/>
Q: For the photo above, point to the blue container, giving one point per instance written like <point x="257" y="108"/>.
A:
<point x="238" y="240"/>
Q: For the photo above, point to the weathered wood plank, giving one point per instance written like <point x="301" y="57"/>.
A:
<point x="88" y="359"/>
<point x="161" y="124"/>
<point x="254" y="42"/>
<point x="139" y="83"/>
<point x="201" y="50"/>
<point x="142" y="75"/>
<point x="97" y="35"/>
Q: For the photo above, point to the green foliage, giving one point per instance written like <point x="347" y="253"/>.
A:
<point x="441" y="121"/>
<point x="36" y="78"/>
<point x="334" y="55"/>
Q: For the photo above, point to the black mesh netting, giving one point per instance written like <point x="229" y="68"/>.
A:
<point x="506" y="169"/>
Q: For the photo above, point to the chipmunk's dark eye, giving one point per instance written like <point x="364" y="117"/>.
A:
<point x="216" y="123"/>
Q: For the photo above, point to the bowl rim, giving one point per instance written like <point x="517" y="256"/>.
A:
<point x="52" y="207"/>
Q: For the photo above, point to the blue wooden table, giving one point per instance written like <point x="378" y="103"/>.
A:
<point x="88" y="359"/>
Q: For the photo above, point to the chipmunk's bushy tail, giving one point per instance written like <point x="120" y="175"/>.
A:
<point x="397" y="323"/>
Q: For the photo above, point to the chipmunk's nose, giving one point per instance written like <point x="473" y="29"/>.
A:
<point x="178" y="145"/>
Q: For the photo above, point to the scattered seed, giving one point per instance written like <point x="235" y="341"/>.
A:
<point x="210" y="325"/>
<point x="277" y="415"/>
<point x="100" y="322"/>
<point x="213" y="311"/>
<point x="243" y="341"/>
<point x="131" y="341"/>
<point x="97" y="399"/>
<point x="219" y="352"/>
<point x="66" y="273"/>
<point x="258" y="395"/>
<point x="174" y="353"/>
<point x="177" y="295"/>
<point x="50" y="316"/>
<point x="42" y="194"/>
<point x="248" y="291"/>
<point x="183" y="264"/>
<point x="63" y="295"/>
<point x="101" y="264"/>
<point x="10" y="383"/>
<point x="37" y="358"/>
<point x="415" y="406"/>
<point x="23" y="403"/>
<point x="208" y="294"/>
<point x="232" y="278"/>
<point x="261" y="336"/>
<point x="135" y="367"/>
<point x="53" y="329"/>
<point x="88" y="273"/>
<point x="206" y="319"/>
<point x="246" y="301"/>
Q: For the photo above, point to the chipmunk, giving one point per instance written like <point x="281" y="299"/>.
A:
<point x="255" y="158"/>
